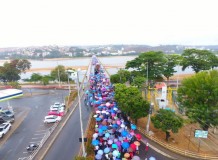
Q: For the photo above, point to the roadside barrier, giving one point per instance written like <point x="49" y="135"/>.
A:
<point x="46" y="136"/>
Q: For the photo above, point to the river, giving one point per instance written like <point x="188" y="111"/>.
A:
<point x="113" y="61"/>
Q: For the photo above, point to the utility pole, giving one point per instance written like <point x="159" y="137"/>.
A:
<point x="149" y="116"/>
<point x="59" y="79"/>
<point x="147" y="74"/>
<point x="80" y="113"/>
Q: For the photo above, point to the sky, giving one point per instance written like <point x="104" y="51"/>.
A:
<point x="101" y="22"/>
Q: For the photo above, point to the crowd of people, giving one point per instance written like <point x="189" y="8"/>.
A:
<point x="114" y="137"/>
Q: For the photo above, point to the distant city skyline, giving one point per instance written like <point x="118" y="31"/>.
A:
<point x="70" y="22"/>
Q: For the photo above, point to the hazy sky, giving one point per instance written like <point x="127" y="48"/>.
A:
<point x="96" y="22"/>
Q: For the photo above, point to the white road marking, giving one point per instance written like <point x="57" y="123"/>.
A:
<point x="41" y="130"/>
<point x="35" y="142"/>
<point x="25" y="152"/>
<point x="37" y="138"/>
<point x="22" y="158"/>
<point x="39" y="134"/>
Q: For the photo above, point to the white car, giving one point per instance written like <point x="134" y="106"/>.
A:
<point x="52" y="119"/>
<point x="4" y="128"/>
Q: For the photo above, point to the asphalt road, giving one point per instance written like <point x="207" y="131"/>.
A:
<point x="32" y="129"/>
<point x="67" y="144"/>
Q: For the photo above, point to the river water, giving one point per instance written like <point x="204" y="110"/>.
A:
<point x="113" y="60"/>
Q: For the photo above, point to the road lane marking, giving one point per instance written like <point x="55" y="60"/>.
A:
<point x="39" y="134"/>
<point x="22" y="158"/>
<point x="35" y="142"/>
<point x="41" y="130"/>
<point x="37" y="138"/>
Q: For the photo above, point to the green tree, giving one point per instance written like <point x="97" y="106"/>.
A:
<point x="11" y="71"/>
<point x="138" y="81"/>
<point x="45" y="80"/>
<point x="59" y="72"/>
<point x="172" y="60"/>
<point x="148" y="63"/>
<point x="130" y="101"/>
<point x="198" y="60"/>
<point x="167" y="121"/>
<point x="35" y="77"/>
<point x="198" y="95"/>
<point x="115" y="78"/>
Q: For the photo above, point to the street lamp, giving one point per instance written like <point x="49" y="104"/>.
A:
<point x="69" y="73"/>
<point x="80" y="113"/>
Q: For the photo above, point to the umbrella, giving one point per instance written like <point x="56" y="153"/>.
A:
<point x="95" y="116"/>
<point x="122" y="125"/>
<point x="98" y="156"/>
<point x="137" y="143"/>
<point x="118" y="122"/>
<point x="98" y="111"/>
<point x="135" y="158"/>
<point x="109" y="120"/>
<point x="108" y="104"/>
<point x="104" y="128"/>
<point x="115" y="140"/>
<point x="98" y="119"/>
<point x="130" y="149"/>
<point x="133" y="127"/>
<point x="124" y="133"/>
<point x="152" y="158"/>
<point x="115" y="126"/>
<point x="107" y="150"/>
<point x="138" y="137"/>
<point x="115" y="153"/>
<point x="133" y="146"/>
<point x="125" y="145"/>
<point x="100" y="152"/>
<point x="110" y="141"/>
<point x="100" y="130"/>
<point x="126" y="155"/>
<point x="95" y="135"/>
<point x="114" y="145"/>
<point x="107" y="135"/>
<point x="95" y="142"/>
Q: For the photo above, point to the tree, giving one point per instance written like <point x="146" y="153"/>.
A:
<point x="45" y="80"/>
<point x="198" y="60"/>
<point x="130" y="101"/>
<point x="149" y="62"/>
<point x="35" y="77"/>
<point x="59" y="72"/>
<point x="115" y="78"/>
<point x="167" y="121"/>
<point x="198" y="95"/>
<point x="172" y="60"/>
<point x="11" y="71"/>
<point x="138" y="81"/>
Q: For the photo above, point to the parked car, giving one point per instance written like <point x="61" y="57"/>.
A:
<point x="52" y="119"/>
<point x="56" y="113"/>
<point x="2" y="120"/>
<point x="7" y="115"/>
<point x="4" y="128"/>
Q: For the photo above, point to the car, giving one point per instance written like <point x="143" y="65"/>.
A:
<point x="4" y="128"/>
<point x="52" y="119"/>
<point x="7" y="115"/>
<point x="56" y="113"/>
<point x="2" y="120"/>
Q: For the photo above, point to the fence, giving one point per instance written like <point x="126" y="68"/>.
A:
<point x="178" y="150"/>
<point x="46" y="136"/>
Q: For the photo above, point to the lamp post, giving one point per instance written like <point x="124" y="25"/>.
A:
<point x="80" y="113"/>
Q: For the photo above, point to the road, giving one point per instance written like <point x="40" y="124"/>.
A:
<point x="67" y="144"/>
<point x="32" y="129"/>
